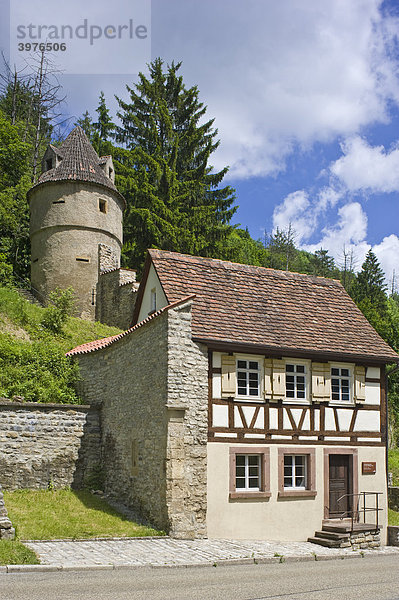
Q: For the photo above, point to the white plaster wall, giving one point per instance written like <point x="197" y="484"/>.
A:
<point x="284" y="519"/>
<point x="152" y="283"/>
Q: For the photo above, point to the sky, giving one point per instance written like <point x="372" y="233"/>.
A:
<point x="305" y="96"/>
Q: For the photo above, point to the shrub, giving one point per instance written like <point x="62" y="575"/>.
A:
<point x="61" y="307"/>
<point x="38" y="371"/>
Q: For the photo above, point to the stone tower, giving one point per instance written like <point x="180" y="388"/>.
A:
<point x="75" y="222"/>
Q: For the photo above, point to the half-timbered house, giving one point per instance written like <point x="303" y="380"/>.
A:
<point x="244" y="402"/>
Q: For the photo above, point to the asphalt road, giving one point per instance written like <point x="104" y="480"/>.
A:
<point x="371" y="578"/>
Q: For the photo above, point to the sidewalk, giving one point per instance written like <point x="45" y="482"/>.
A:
<point x="168" y="552"/>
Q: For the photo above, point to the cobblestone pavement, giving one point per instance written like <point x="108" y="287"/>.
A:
<point x="171" y="552"/>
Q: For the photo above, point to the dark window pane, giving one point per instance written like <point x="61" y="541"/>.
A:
<point x="301" y="394"/>
<point x="335" y="396"/>
<point x="334" y="371"/>
<point x="290" y="379"/>
<point x="290" y="368"/>
<point x="345" y="372"/>
<point x="240" y="483"/>
<point x="240" y="459"/>
<point x="300" y="368"/>
<point x="253" y="365"/>
<point x="253" y="460"/>
<point x="253" y="392"/>
<point x="242" y="391"/>
<point x="253" y="377"/>
<point x="242" y="364"/>
<point x="254" y="483"/>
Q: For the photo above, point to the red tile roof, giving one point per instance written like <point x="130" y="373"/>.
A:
<point x="276" y="310"/>
<point x="80" y="162"/>
<point x="105" y="342"/>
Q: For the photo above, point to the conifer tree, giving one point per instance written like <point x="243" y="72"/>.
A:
<point x="173" y="195"/>
<point x="370" y="284"/>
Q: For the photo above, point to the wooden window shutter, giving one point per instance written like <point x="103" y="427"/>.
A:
<point x="268" y="387"/>
<point x="228" y="375"/>
<point x="360" y="384"/>
<point x="278" y="379"/>
<point x="321" y="381"/>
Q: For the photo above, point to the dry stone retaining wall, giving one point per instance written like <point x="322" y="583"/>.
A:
<point x="42" y="444"/>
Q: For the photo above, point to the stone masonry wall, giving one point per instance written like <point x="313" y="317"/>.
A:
<point x="129" y="380"/>
<point x="186" y="462"/>
<point x="43" y="443"/>
<point x="116" y="297"/>
<point x="152" y="386"/>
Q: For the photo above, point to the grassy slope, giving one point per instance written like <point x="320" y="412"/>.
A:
<point x="22" y="320"/>
<point x="32" y="362"/>
<point x="48" y="514"/>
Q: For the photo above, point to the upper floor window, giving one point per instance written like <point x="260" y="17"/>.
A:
<point x="295" y="381"/>
<point x="248" y="378"/>
<point x="341" y="384"/>
<point x="153" y="300"/>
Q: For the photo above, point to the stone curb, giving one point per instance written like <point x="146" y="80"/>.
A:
<point x="215" y="564"/>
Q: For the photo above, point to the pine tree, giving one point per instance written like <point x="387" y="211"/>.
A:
<point x="370" y="284"/>
<point x="321" y="264"/>
<point x="86" y="123"/>
<point x="103" y="129"/>
<point x="173" y="195"/>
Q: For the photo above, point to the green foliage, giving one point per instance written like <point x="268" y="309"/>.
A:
<point x="322" y="265"/>
<point x="34" y="366"/>
<point x="15" y="553"/>
<point x="45" y="514"/>
<point x="370" y="284"/>
<point x="174" y="201"/>
<point x="61" y="307"/>
<point x="37" y="371"/>
<point x="393" y="464"/>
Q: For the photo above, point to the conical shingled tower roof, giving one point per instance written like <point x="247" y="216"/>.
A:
<point x="80" y="162"/>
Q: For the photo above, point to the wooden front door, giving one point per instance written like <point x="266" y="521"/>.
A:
<point x="339" y="485"/>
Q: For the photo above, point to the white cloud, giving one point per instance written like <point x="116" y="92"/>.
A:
<point x="294" y="211"/>
<point x="275" y="74"/>
<point x="365" y="167"/>
<point x="349" y="232"/>
<point x="387" y="253"/>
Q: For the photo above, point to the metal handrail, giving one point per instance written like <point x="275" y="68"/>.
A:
<point x="356" y="511"/>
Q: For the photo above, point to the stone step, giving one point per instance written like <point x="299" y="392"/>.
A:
<point x="325" y="542"/>
<point x="27" y="295"/>
<point x="332" y="535"/>
<point x="347" y="527"/>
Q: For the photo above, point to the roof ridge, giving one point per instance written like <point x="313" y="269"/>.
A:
<point x="242" y="266"/>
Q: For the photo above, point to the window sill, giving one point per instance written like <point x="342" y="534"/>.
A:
<point x="337" y="403"/>
<point x="297" y="494"/>
<point x="238" y="495"/>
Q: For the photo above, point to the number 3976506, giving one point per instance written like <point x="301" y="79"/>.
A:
<point x="42" y="47"/>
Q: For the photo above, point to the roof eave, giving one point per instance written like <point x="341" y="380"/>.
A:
<point x="230" y="346"/>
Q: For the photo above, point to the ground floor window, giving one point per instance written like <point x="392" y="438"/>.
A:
<point x="296" y="472"/>
<point x="249" y="472"/>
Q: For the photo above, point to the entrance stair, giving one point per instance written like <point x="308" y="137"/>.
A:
<point x="339" y="534"/>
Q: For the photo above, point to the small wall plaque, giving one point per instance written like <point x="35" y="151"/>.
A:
<point x="369" y="468"/>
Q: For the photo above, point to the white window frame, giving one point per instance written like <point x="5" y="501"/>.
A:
<point x="247" y="474"/>
<point x="351" y="368"/>
<point x="294" y="474"/>
<point x="307" y="366"/>
<point x="248" y="359"/>
<point x="263" y="491"/>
